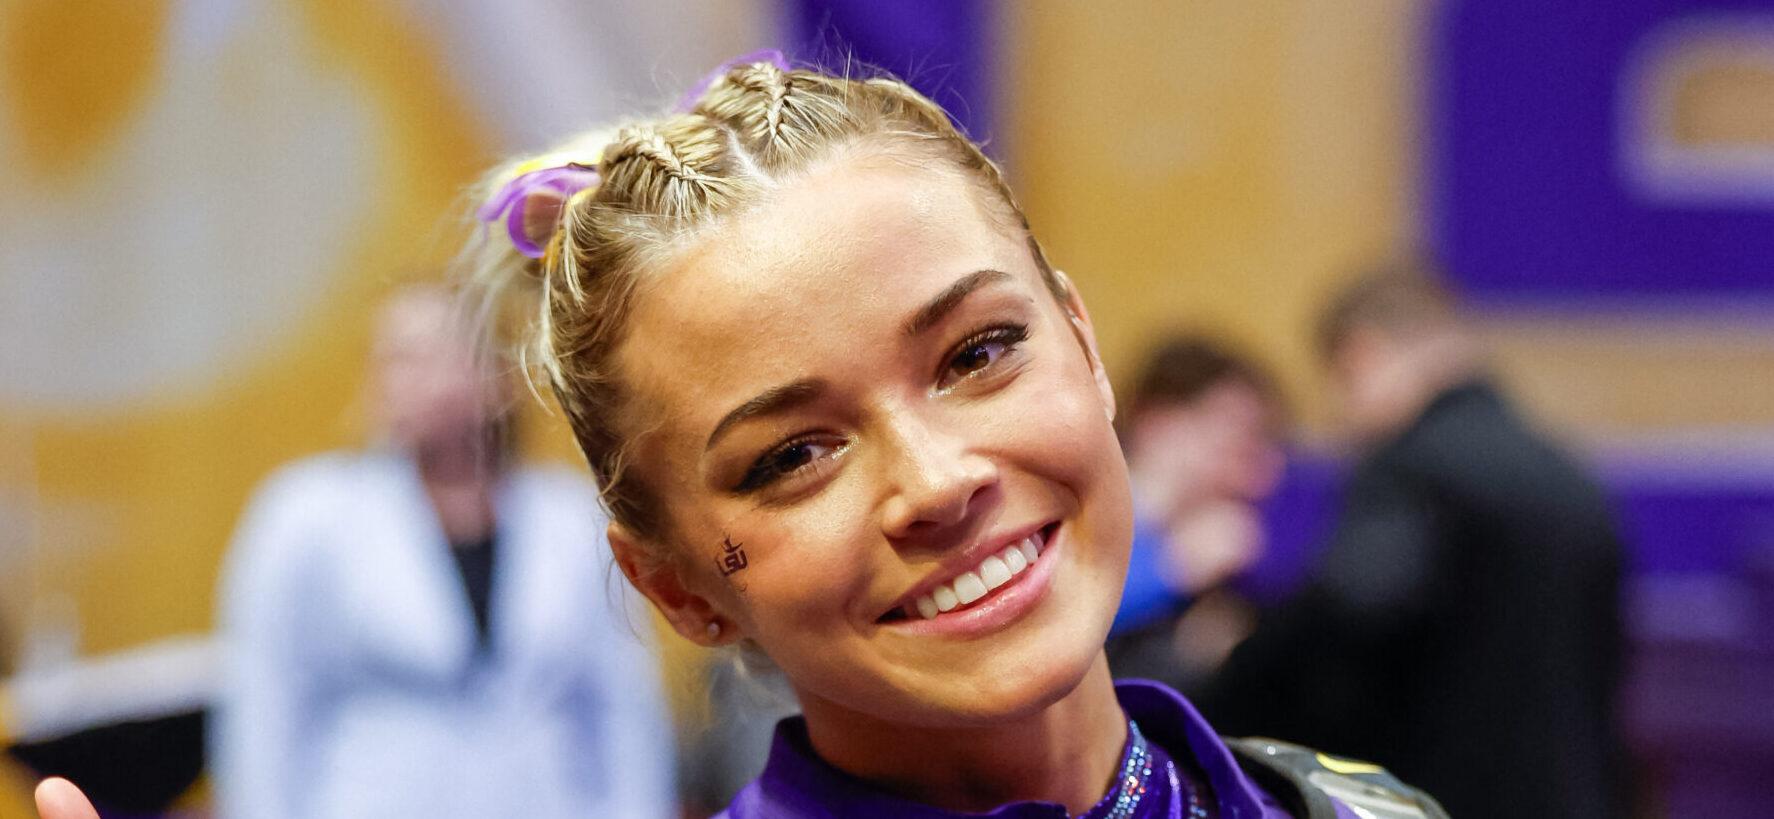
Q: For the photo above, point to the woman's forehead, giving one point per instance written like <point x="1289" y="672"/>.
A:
<point x="865" y="220"/>
<point x="823" y="272"/>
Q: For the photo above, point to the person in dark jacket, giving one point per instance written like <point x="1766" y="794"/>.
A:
<point x="1462" y="626"/>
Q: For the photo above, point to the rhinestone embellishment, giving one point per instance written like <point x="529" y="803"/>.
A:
<point x="1136" y="775"/>
<point x="1135" y="780"/>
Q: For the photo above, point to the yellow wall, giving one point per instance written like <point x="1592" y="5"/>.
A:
<point x="1216" y="164"/>
<point x="1632" y="379"/>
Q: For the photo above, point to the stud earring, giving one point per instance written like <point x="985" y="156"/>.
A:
<point x="714" y="630"/>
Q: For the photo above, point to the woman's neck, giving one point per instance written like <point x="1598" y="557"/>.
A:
<point x="1067" y="753"/>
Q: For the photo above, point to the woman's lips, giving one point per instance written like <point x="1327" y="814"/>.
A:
<point x="973" y="585"/>
<point x="1000" y="589"/>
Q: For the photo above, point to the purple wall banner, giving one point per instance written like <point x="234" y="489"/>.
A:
<point x="944" y="48"/>
<point x="1619" y="149"/>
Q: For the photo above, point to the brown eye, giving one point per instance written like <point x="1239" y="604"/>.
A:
<point x="785" y="460"/>
<point x="981" y="352"/>
<point x="975" y="358"/>
<point x="788" y="460"/>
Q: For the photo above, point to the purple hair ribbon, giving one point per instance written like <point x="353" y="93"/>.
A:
<point x="562" y="181"/>
<point x="772" y="56"/>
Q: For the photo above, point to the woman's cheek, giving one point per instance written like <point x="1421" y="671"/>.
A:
<point x="1066" y="415"/>
<point x="806" y="562"/>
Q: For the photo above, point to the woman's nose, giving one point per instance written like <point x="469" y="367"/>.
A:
<point x="937" y="481"/>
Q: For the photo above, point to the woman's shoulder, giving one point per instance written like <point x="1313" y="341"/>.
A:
<point x="1312" y="783"/>
<point x="1250" y="777"/>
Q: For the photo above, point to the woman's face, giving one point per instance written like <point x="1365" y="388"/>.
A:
<point x="864" y="387"/>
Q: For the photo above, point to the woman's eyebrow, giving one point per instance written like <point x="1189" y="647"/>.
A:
<point x="946" y="301"/>
<point x="798" y="393"/>
<point x="775" y="399"/>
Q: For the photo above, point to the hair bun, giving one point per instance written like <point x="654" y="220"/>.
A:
<point x="770" y="56"/>
<point x="531" y="203"/>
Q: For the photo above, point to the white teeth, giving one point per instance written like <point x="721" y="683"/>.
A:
<point x="1013" y="559"/>
<point x="994" y="572"/>
<point x="969" y="587"/>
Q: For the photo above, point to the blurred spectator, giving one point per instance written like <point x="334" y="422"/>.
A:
<point x="1202" y="437"/>
<point x="425" y="629"/>
<point x="1462" y="626"/>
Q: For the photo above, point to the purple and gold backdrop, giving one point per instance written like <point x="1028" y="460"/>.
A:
<point x="1620" y="149"/>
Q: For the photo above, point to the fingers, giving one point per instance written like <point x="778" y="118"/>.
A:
<point x="57" y="798"/>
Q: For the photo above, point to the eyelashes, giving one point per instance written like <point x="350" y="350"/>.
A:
<point x="979" y="355"/>
<point x="801" y="453"/>
<point x="980" y="352"/>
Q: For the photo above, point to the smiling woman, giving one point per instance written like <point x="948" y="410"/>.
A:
<point x="841" y="408"/>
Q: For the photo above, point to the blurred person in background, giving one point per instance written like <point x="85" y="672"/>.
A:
<point x="1462" y="627"/>
<point x="409" y="630"/>
<point x="1202" y="435"/>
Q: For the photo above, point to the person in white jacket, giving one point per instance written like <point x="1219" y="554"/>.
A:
<point x="428" y="630"/>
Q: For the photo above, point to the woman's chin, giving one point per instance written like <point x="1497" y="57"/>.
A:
<point x="995" y="690"/>
<point x="1013" y="678"/>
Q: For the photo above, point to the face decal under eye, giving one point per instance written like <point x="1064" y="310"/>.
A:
<point x="980" y="352"/>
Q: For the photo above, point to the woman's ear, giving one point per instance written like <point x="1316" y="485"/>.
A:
<point x="665" y="585"/>
<point x="1081" y="327"/>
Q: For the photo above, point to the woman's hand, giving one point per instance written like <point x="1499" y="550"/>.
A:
<point x="57" y="798"/>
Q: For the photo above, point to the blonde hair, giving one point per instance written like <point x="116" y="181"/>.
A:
<point x="664" y="179"/>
